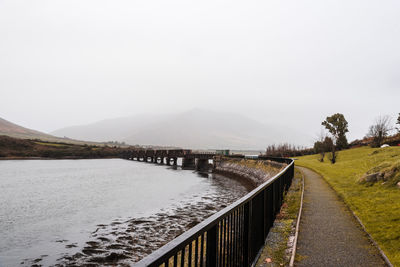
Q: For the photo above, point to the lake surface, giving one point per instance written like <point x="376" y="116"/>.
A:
<point x="78" y="211"/>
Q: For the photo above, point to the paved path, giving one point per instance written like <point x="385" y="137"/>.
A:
<point x="329" y="234"/>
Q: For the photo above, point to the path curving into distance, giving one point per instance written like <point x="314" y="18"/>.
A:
<point x="329" y="234"/>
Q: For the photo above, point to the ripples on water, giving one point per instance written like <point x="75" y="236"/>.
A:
<point x="60" y="212"/>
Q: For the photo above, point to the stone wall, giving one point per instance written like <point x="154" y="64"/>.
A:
<point x="254" y="171"/>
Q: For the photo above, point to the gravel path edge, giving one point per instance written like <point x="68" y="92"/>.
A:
<point x="291" y="263"/>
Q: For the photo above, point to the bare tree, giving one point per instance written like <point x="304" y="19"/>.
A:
<point x="379" y="130"/>
<point x="287" y="150"/>
<point x="319" y="146"/>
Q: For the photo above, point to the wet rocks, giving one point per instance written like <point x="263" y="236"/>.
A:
<point x="104" y="239"/>
<point x="73" y="245"/>
<point x="124" y="242"/>
<point x="93" y="243"/>
<point x="192" y="224"/>
<point x="113" y="257"/>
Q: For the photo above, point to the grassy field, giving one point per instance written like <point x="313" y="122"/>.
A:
<point x="376" y="204"/>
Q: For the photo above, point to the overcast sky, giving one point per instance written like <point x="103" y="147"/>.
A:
<point x="69" y="62"/>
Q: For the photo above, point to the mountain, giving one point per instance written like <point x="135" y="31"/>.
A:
<point x="14" y="130"/>
<point x="11" y="129"/>
<point x="197" y="129"/>
<point x="116" y="129"/>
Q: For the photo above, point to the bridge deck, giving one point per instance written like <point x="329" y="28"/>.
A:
<point x="172" y="153"/>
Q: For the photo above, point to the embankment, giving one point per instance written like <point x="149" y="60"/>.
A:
<point x="255" y="172"/>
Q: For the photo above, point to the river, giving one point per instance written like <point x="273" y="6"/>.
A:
<point x="63" y="212"/>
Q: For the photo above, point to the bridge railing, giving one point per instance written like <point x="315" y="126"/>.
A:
<point x="232" y="236"/>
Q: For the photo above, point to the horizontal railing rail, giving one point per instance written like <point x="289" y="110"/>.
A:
<point x="232" y="236"/>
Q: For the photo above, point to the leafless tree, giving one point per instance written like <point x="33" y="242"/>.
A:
<point x="319" y="146"/>
<point x="287" y="150"/>
<point x="379" y="130"/>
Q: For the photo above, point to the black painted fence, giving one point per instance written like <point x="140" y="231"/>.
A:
<point x="232" y="236"/>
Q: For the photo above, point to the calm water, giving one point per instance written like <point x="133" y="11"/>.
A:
<point x="50" y="209"/>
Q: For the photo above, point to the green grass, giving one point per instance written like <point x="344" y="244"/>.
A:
<point x="378" y="204"/>
<point x="285" y="222"/>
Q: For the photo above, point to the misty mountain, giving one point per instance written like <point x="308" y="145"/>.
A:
<point x="11" y="129"/>
<point x="117" y="129"/>
<point x="197" y="129"/>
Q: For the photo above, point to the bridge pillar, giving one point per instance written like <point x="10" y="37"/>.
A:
<point x="202" y="165"/>
<point x="188" y="163"/>
<point x="174" y="161"/>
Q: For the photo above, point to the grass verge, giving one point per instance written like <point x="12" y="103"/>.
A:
<point x="376" y="204"/>
<point x="277" y="250"/>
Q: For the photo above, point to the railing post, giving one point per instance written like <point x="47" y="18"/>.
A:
<point x="211" y="247"/>
<point x="267" y="211"/>
<point x="246" y="233"/>
<point x="261" y="216"/>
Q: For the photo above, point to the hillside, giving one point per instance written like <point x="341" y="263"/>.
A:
<point x="116" y="129"/>
<point x="8" y="128"/>
<point x="198" y="129"/>
<point x="376" y="204"/>
<point x="14" y="130"/>
<point x="22" y="148"/>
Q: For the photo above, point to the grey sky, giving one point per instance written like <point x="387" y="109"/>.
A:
<point x="73" y="62"/>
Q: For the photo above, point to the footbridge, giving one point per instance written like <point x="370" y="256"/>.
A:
<point x="190" y="159"/>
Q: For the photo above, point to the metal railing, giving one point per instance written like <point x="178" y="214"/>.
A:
<point x="232" y="236"/>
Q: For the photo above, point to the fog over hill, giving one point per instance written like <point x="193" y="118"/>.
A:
<point x="197" y="128"/>
<point x="11" y="129"/>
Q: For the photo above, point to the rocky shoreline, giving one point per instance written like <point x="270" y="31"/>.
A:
<point x="123" y="242"/>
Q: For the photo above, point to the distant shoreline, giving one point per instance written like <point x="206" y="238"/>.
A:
<point x="45" y="158"/>
<point x="23" y="149"/>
